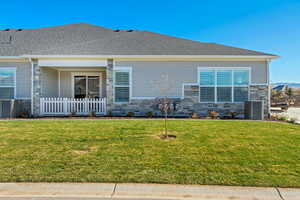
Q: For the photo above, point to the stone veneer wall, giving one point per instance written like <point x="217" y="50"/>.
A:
<point x="190" y="104"/>
<point x="109" y="86"/>
<point x="36" y="89"/>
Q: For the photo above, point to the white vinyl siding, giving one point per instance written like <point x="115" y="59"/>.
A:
<point x="122" y="85"/>
<point x="7" y="83"/>
<point x="224" y="85"/>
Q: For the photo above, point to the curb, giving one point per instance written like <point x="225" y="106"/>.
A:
<point x="145" y="191"/>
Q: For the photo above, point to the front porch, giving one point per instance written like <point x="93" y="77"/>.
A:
<point x="70" y="88"/>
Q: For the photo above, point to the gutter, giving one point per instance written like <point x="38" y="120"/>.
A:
<point x="148" y="56"/>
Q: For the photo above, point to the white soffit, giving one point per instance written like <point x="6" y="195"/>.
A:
<point x="72" y="63"/>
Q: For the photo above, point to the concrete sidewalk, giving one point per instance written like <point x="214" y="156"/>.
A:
<point x="138" y="191"/>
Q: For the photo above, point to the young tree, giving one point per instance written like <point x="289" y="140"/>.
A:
<point x="165" y="103"/>
<point x="290" y="92"/>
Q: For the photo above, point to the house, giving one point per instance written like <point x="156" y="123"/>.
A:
<point x="280" y="88"/>
<point x="83" y="68"/>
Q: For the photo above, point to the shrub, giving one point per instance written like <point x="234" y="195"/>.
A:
<point x="274" y="117"/>
<point x="149" y="114"/>
<point x="283" y="118"/>
<point x="130" y="114"/>
<point x="92" y="114"/>
<point x="24" y="114"/>
<point x="73" y="114"/>
<point x="292" y="120"/>
<point x="109" y="114"/>
<point x="214" y="114"/>
<point x="232" y="114"/>
<point x="194" y="116"/>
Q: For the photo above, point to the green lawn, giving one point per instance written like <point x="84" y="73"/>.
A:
<point x="205" y="152"/>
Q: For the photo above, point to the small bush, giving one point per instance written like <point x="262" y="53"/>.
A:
<point x="195" y="116"/>
<point x="149" y="114"/>
<point x="283" y="118"/>
<point x="130" y="114"/>
<point x="213" y="114"/>
<point x="292" y="120"/>
<point x="109" y="114"/>
<point x="72" y="114"/>
<point x="92" y="114"/>
<point x="24" y="114"/>
<point x="274" y="117"/>
<point x="232" y="115"/>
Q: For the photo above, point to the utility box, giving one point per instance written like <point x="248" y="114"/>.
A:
<point x="6" y="108"/>
<point x="254" y="110"/>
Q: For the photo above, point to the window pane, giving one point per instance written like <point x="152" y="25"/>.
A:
<point x="7" y="93"/>
<point x="241" y="77"/>
<point x="207" y="77"/>
<point x="121" y="94"/>
<point x="240" y="94"/>
<point x="122" y="78"/>
<point x="80" y="86"/>
<point x="207" y="94"/>
<point x="7" y="77"/>
<point x="93" y="87"/>
<point x="224" y="94"/>
<point x="224" y="77"/>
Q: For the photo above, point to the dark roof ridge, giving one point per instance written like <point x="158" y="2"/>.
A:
<point x="64" y="26"/>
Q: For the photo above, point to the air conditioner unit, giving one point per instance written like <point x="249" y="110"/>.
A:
<point x="254" y="110"/>
<point x="6" y="108"/>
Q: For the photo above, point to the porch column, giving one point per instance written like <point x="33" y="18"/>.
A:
<point x="36" y="88"/>
<point x="109" y="86"/>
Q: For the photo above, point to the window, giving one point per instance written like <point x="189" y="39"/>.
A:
<point x="7" y="83"/>
<point x="122" y="85"/>
<point x="241" y="85"/>
<point x="224" y="85"/>
<point x="86" y="85"/>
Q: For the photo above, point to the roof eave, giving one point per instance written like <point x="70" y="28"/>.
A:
<point x="270" y="57"/>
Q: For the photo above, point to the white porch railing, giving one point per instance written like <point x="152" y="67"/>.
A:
<point x="67" y="106"/>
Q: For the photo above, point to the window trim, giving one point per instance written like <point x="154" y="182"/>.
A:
<point x="122" y="69"/>
<point x="215" y="86"/>
<point x="15" y="80"/>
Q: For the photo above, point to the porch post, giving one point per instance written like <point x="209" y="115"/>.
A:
<point x="36" y="88"/>
<point x="109" y="86"/>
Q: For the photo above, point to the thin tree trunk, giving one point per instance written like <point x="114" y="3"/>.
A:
<point x="166" y="117"/>
<point x="166" y="130"/>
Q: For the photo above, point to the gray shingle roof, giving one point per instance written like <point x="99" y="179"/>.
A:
<point x="86" y="39"/>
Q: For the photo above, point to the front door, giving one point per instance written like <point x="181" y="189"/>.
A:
<point x="87" y="86"/>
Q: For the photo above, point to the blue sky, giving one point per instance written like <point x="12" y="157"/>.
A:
<point x="272" y="26"/>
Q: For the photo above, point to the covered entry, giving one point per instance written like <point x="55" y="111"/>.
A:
<point x="75" y="87"/>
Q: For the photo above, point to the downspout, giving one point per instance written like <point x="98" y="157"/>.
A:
<point x="30" y="60"/>
<point x="269" y="88"/>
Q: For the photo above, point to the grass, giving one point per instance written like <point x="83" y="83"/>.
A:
<point x="205" y="152"/>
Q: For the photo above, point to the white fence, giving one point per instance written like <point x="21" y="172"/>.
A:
<point x="67" y="106"/>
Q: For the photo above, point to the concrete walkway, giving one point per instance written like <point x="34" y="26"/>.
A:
<point x="142" y="191"/>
